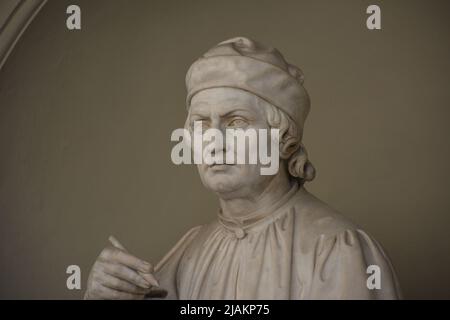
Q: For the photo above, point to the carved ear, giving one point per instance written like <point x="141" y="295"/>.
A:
<point x="288" y="147"/>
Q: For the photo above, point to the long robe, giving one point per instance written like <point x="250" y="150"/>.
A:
<point x="299" y="248"/>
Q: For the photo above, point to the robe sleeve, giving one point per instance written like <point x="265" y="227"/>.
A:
<point x="167" y="269"/>
<point x="341" y="271"/>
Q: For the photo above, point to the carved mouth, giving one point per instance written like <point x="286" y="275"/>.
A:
<point x="220" y="166"/>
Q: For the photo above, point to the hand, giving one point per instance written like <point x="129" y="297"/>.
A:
<point x="117" y="275"/>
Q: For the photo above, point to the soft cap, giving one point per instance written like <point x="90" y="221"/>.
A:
<point x="245" y="64"/>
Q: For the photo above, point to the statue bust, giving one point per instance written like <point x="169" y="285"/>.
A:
<point x="271" y="238"/>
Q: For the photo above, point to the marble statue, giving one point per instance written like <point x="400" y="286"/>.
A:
<point x="271" y="238"/>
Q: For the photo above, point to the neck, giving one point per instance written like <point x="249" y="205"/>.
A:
<point x="242" y="206"/>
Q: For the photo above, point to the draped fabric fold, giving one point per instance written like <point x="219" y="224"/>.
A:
<point x="300" y="248"/>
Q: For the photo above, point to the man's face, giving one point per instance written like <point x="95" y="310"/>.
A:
<point x="228" y="108"/>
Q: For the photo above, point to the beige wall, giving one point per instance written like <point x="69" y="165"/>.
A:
<point x="86" y="116"/>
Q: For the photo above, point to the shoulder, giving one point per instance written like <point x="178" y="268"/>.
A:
<point x="322" y="228"/>
<point x="178" y="249"/>
<point x="340" y="253"/>
<point x="316" y="218"/>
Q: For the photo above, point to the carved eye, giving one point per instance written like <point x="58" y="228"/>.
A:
<point x="237" y="123"/>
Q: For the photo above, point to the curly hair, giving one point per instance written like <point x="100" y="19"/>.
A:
<point x="291" y="147"/>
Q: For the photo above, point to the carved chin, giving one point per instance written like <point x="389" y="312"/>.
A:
<point x="222" y="184"/>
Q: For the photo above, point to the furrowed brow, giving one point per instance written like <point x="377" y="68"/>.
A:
<point x="235" y="112"/>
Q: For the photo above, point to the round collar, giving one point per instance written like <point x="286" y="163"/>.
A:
<point x="240" y="225"/>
